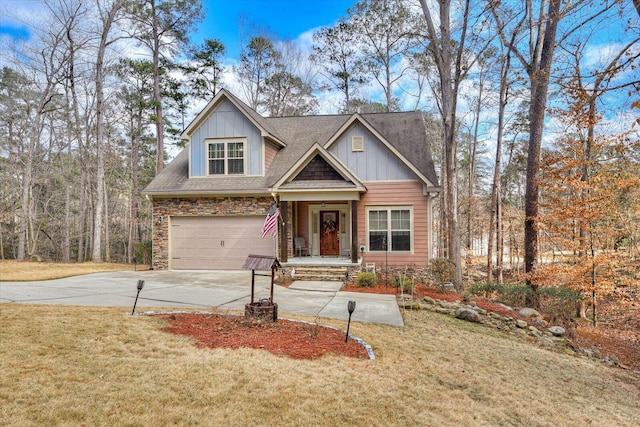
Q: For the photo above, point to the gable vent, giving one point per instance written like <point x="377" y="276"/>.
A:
<point x="357" y="143"/>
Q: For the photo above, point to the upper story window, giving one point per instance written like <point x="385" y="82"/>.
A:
<point x="226" y="157"/>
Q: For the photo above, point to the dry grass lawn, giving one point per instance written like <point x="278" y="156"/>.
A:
<point x="73" y="366"/>
<point x="23" y="271"/>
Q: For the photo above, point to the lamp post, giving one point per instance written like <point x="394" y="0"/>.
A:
<point x="140" y="286"/>
<point x="386" y="262"/>
<point x="351" y="306"/>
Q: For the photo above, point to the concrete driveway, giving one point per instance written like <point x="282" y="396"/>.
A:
<point x="224" y="290"/>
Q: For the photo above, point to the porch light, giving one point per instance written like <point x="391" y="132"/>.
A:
<point x="323" y="204"/>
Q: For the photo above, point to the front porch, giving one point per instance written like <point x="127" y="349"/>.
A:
<point x="315" y="233"/>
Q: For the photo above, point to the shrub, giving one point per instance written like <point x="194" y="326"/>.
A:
<point x="403" y="282"/>
<point x="367" y="279"/>
<point x="441" y="270"/>
<point x="512" y="294"/>
<point x="143" y="252"/>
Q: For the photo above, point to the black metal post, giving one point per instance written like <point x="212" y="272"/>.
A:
<point x="253" y="284"/>
<point x="351" y="306"/>
<point x="140" y="286"/>
<point x="386" y="262"/>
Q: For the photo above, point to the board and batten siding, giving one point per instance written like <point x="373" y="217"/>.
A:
<point x="226" y="121"/>
<point x="374" y="163"/>
<point x="404" y="193"/>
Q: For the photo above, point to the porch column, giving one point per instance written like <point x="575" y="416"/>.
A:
<point x="354" y="231"/>
<point x="284" y="228"/>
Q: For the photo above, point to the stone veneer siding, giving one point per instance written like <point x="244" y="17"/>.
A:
<point x="201" y="206"/>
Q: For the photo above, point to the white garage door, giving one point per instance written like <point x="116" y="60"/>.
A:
<point x="216" y="243"/>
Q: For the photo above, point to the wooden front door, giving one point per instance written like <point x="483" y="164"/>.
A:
<point x="330" y="230"/>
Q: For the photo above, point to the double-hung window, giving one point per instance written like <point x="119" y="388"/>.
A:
<point x="226" y="157"/>
<point x="390" y="229"/>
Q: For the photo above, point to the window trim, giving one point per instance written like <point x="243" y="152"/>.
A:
<point x="390" y="208"/>
<point x="226" y="142"/>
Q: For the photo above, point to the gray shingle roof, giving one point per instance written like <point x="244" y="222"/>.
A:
<point x="404" y="131"/>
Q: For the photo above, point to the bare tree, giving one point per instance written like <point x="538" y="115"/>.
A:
<point x="453" y="62"/>
<point x="108" y="16"/>
<point x="387" y="29"/>
<point x="162" y="25"/>
<point x="336" y="53"/>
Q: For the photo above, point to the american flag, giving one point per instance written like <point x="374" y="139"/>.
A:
<point x="271" y="222"/>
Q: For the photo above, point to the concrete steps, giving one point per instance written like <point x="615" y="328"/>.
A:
<point x="319" y="273"/>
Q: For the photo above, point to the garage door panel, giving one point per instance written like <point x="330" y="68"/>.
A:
<point x="210" y="243"/>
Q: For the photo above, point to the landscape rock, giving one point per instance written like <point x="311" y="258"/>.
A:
<point x="429" y="300"/>
<point x="591" y="352"/>
<point x="557" y="331"/>
<point x="552" y="337"/>
<point x="468" y="314"/>
<point x="411" y="305"/>
<point x="540" y="323"/>
<point x="521" y="324"/>
<point x="528" y="313"/>
<point x="505" y="306"/>
<point x="548" y="342"/>
<point x="534" y="331"/>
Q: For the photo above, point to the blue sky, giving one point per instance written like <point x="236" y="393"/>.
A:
<point x="288" y="19"/>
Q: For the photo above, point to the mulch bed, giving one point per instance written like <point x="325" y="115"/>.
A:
<point x="307" y="341"/>
<point x="297" y="340"/>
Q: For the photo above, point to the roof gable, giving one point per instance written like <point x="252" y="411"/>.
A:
<point x="318" y="169"/>
<point x="317" y="164"/>
<point x="411" y="156"/>
<point x="258" y="121"/>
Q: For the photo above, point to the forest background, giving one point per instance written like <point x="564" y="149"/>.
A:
<point x="531" y="109"/>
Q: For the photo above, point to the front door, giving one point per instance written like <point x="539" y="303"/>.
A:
<point x="330" y="230"/>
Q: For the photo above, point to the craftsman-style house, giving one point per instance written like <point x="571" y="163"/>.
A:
<point x="350" y="188"/>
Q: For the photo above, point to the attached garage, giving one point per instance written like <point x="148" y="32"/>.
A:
<point x="216" y="243"/>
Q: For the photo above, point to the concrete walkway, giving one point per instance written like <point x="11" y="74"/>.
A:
<point x="224" y="290"/>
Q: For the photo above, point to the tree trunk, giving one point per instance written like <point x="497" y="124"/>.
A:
<point x="157" y="94"/>
<point x="443" y="56"/>
<point x="539" y="79"/>
<point x="495" y="221"/>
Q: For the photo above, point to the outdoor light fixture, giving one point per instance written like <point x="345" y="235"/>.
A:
<point x="140" y="286"/>
<point x="159" y="221"/>
<point x="323" y="204"/>
<point x="346" y="278"/>
<point x="351" y="306"/>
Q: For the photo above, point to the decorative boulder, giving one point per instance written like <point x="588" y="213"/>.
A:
<point x="429" y="300"/>
<point x="557" y="331"/>
<point x="467" y="314"/>
<point x="528" y="313"/>
<point x="521" y="324"/>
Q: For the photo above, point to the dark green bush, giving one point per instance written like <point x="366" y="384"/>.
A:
<point x="367" y="279"/>
<point x="143" y="252"/>
<point x="403" y="282"/>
